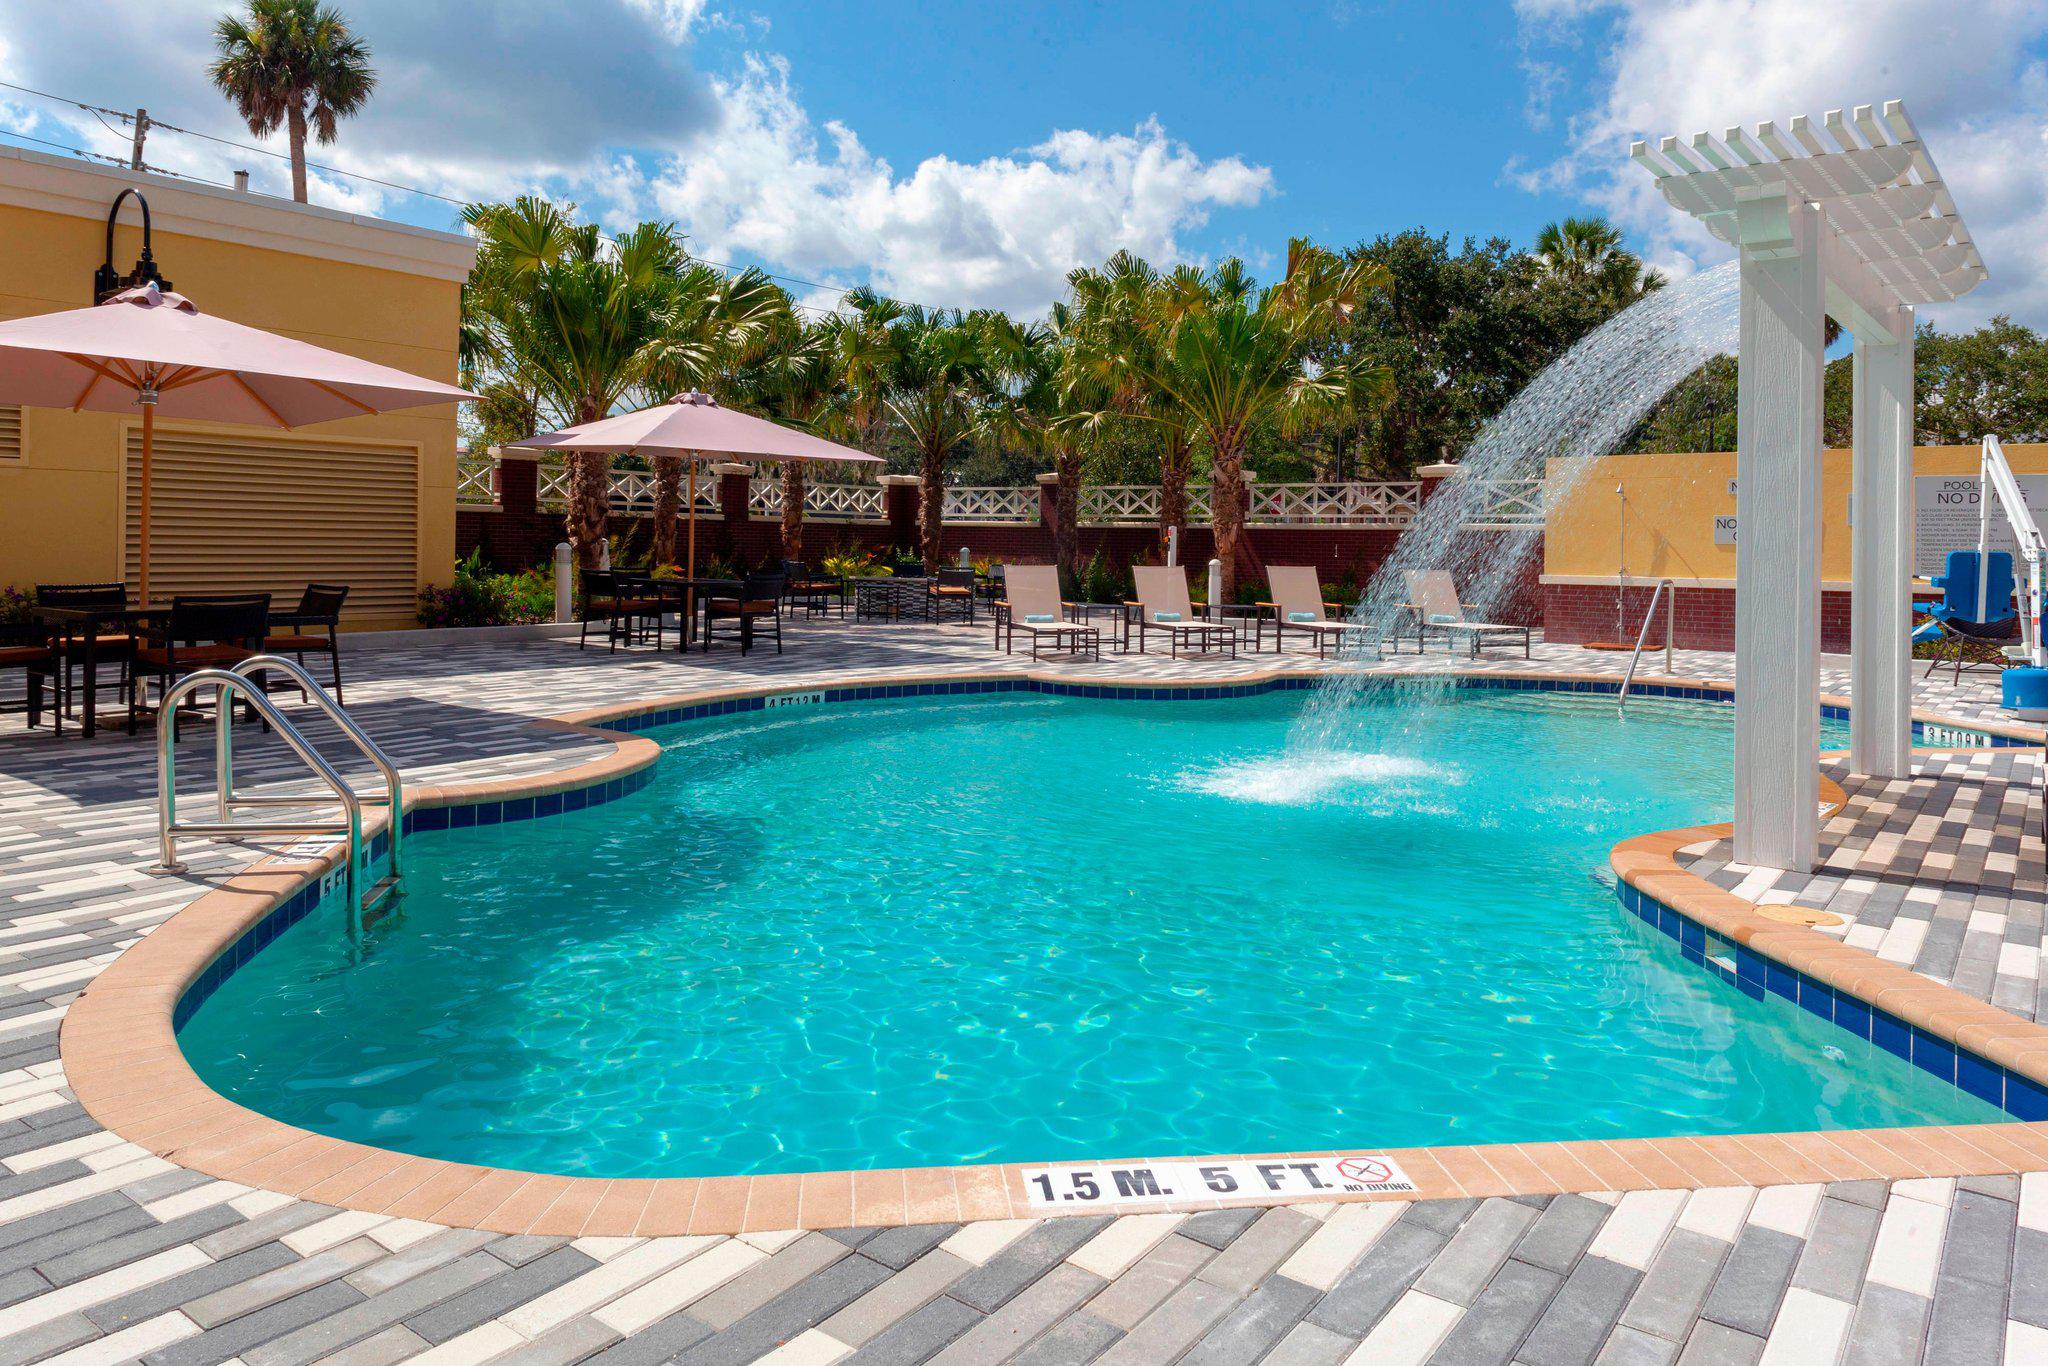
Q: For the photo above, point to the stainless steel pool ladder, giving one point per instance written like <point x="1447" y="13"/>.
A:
<point x="1664" y="587"/>
<point x="239" y="682"/>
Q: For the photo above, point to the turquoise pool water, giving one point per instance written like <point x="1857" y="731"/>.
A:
<point x="1019" y="927"/>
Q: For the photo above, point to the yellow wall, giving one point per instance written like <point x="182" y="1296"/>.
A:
<point x="1672" y="501"/>
<point x="61" y="505"/>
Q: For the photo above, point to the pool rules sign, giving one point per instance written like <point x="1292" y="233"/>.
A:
<point x="1155" y="1183"/>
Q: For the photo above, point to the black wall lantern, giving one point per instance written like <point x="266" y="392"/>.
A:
<point x="106" y="281"/>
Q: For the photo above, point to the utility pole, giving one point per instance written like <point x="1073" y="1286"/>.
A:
<point x="141" y="132"/>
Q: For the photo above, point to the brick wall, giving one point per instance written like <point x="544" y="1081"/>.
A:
<point x="1574" y="613"/>
<point x="520" y="534"/>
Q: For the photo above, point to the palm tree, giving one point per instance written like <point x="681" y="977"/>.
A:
<point x="292" y="62"/>
<point x="937" y="377"/>
<point x="1046" y="402"/>
<point x="720" y="325"/>
<point x="794" y="379"/>
<point x="1235" y="360"/>
<point x="1587" y="252"/>
<point x="575" y="319"/>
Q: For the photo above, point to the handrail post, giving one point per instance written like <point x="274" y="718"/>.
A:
<point x="394" y="788"/>
<point x="167" y="786"/>
<point x="224" y="750"/>
<point x="1642" y="637"/>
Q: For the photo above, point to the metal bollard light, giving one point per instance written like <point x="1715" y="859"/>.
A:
<point x="1216" y="589"/>
<point x="565" y="607"/>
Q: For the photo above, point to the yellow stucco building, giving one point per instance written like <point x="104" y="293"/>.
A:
<point x="369" y="501"/>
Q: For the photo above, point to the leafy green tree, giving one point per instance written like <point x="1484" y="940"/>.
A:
<point x="1993" y="381"/>
<point x="574" y="321"/>
<point x="937" y="378"/>
<point x="296" y="63"/>
<point x="1237" y="359"/>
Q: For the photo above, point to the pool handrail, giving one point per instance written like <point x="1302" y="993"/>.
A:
<point x="1642" y="635"/>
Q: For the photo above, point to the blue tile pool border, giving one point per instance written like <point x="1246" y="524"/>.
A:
<point x="1757" y="976"/>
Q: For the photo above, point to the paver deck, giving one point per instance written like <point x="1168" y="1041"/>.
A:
<point x="109" y="1253"/>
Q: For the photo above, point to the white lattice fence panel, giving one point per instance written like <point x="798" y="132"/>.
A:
<point x="844" y="503"/>
<point x="991" y="505"/>
<point x="552" y="488"/>
<point x="1389" y="504"/>
<point x="764" y="497"/>
<point x="1120" y="504"/>
<point x="1507" y="503"/>
<point x="474" y="483"/>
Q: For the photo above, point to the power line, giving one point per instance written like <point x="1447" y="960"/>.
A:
<point x="97" y="110"/>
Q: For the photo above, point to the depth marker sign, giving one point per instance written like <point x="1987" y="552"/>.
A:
<point x="1151" y="1183"/>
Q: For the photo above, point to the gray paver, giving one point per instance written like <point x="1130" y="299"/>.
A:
<point x="901" y="1294"/>
<point x="1670" y="1295"/>
<point x="1256" y="1252"/>
<point x="1073" y="1341"/>
<point x="812" y="1299"/>
<point x="1477" y="1251"/>
<point x="988" y="1287"/>
<point x="1378" y="1279"/>
<point x="1582" y="1316"/>
<point x="1149" y="1280"/>
<point x="1023" y="1318"/>
<point x="495" y="1296"/>
<point x="1888" y="1329"/>
<point x="1753" y="1280"/>
<point x="918" y="1337"/>
<point x="1259" y="1321"/>
<point x="1171" y="1328"/>
<point x="1501" y="1317"/>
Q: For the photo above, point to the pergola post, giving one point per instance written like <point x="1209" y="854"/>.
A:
<point x="1777" y="563"/>
<point x="1881" y="554"/>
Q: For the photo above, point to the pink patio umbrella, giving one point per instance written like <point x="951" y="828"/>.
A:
<point x="155" y="350"/>
<point x="693" y="426"/>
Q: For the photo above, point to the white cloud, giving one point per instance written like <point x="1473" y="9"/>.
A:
<point x="600" y="101"/>
<point x="1000" y="232"/>
<point x="1966" y="71"/>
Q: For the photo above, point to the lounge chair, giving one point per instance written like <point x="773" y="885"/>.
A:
<point x="1031" y="604"/>
<point x="1298" y="606"/>
<point x="1162" y="606"/>
<point x="1433" y="598"/>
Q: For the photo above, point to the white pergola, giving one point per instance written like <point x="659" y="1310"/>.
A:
<point x="1856" y="225"/>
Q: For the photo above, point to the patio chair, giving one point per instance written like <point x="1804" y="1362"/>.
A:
<point x="1433" y="598"/>
<point x="1954" y="620"/>
<point x="108" y="647"/>
<point x="760" y="600"/>
<point x="1162" y="607"/>
<point x="210" y="631"/>
<point x="625" y="603"/>
<point x="1298" y="606"/>
<point x="1031" y="604"/>
<point x="812" y="590"/>
<point x="31" y="646"/>
<point x="950" y="593"/>
<point x="319" y="609"/>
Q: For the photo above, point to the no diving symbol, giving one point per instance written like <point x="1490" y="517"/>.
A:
<point x="1367" y="1169"/>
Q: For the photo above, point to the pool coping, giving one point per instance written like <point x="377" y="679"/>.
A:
<point x="120" y="1053"/>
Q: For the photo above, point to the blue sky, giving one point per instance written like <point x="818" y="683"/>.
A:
<point x="971" y="155"/>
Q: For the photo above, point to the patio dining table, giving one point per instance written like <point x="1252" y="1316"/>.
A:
<point x="890" y="597"/>
<point x="689" y="596"/>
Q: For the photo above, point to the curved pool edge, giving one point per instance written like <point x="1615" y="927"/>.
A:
<point x="119" y="1050"/>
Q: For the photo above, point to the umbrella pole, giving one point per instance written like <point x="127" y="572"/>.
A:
<point x="142" y="529"/>
<point x="690" y="564"/>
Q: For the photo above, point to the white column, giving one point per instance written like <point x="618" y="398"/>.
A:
<point x="1777" y="562"/>
<point x="1881" y="555"/>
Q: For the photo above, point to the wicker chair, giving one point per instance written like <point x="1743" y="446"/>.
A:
<point x="626" y="603"/>
<point x="32" y="647"/>
<point x="109" y="647"/>
<point x="760" y="600"/>
<point x="319" y="609"/>
<point x="214" y="631"/>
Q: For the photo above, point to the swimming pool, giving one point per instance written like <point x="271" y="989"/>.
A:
<point x="1019" y="927"/>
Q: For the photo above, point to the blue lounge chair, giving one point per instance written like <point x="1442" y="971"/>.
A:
<point x="1955" y="621"/>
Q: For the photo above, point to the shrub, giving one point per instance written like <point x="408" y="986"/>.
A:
<point x="480" y="596"/>
<point x="15" y="604"/>
<point x="853" y="562"/>
<point x="1103" y="582"/>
